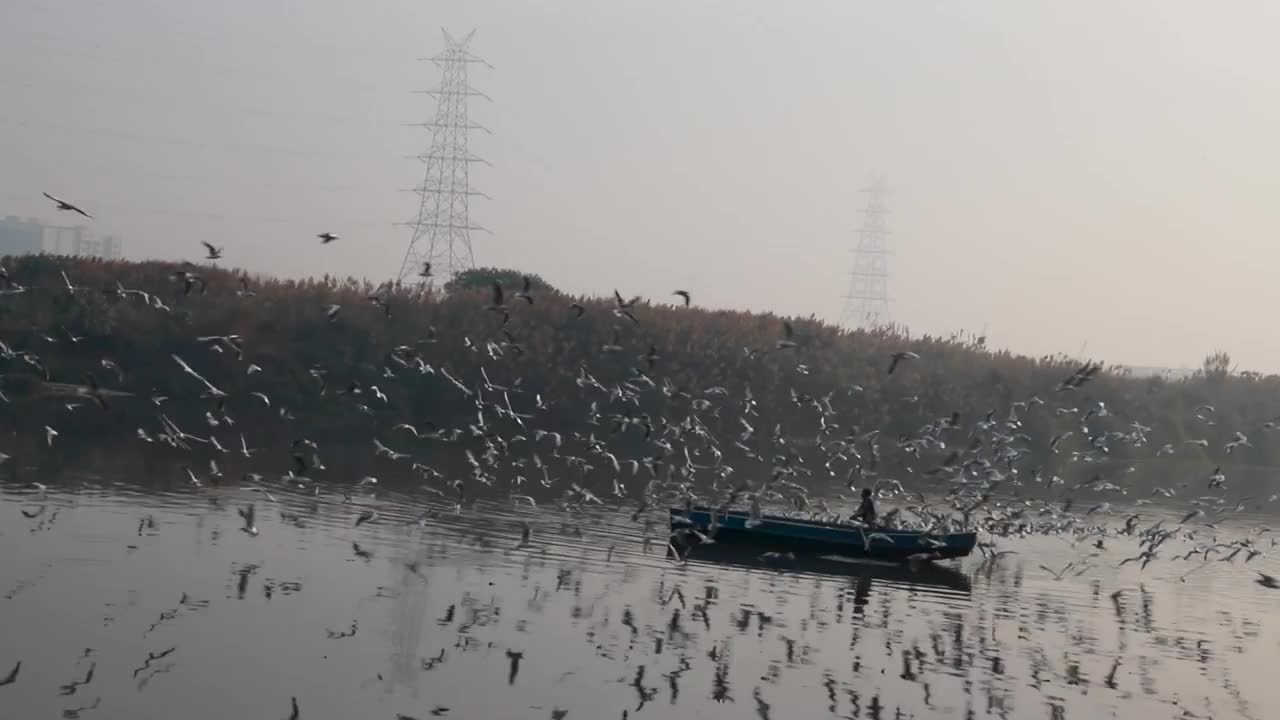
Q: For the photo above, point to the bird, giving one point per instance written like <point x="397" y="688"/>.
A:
<point x="1238" y="440"/>
<point x="1265" y="580"/>
<point x="189" y="281"/>
<point x="425" y="272"/>
<point x="331" y="311"/>
<point x="788" y="337"/>
<point x="64" y="205"/>
<point x="496" y="304"/>
<point x="898" y="357"/>
<point x="684" y="294"/>
<point x="525" y="291"/>
<point x="12" y="677"/>
<point x="49" y="435"/>
<point x="213" y="252"/>
<point x="578" y="310"/>
<point x="327" y="237"/>
<point x="1058" y="574"/>
<point x="622" y="308"/>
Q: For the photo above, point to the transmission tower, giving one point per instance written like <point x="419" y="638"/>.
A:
<point x="867" y="303"/>
<point x="442" y="228"/>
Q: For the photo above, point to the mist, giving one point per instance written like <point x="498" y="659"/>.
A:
<point x="1089" y="178"/>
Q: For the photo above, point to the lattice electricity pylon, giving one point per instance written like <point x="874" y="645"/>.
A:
<point x="867" y="303"/>
<point x="442" y="229"/>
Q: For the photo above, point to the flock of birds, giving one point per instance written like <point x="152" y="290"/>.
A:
<point x="657" y="444"/>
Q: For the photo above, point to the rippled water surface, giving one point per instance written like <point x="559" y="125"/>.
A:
<point x="123" y="603"/>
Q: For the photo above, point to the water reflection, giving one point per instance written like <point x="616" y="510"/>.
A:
<point x="121" y="602"/>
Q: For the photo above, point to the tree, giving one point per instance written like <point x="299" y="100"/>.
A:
<point x="483" y="279"/>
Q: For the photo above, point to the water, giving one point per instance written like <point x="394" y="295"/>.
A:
<point x="396" y="619"/>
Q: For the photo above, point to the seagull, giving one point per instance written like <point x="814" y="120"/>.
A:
<point x="578" y="310"/>
<point x="1058" y="574"/>
<point x="326" y="238"/>
<point x="12" y="677"/>
<point x="64" y="205"/>
<point x="425" y="272"/>
<point x="525" y="291"/>
<point x="497" y="304"/>
<point x="1265" y="580"/>
<point x="215" y="392"/>
<point x="214" y="252"/>
<point x="788" y="337"/>
<point x="244" y="290"/>
<point x="1237" y="441"/>
<point x="331" y="312"/>
<point x="622" y="308"/>
<point x="684" y="294"/>
<point x="189" y="280"/>
<point x="899" y="357"/>
<point x="49" y="435"/>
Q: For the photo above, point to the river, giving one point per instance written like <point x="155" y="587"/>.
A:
<point x="123" y="601"/>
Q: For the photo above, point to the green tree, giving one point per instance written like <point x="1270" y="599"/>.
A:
<point x="483" y="278"/>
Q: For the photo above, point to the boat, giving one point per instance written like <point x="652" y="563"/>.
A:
<point x="784" y="534"/>
<point x="865" y="572"/>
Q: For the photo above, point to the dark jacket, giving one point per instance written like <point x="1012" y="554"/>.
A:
<point x="866" y="511"/>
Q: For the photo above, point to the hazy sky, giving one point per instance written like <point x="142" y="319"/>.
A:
<point x="1063" y="173"/>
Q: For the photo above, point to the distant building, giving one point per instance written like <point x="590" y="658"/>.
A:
<point x="24" y="237"/>
<point x="20" y="237"/>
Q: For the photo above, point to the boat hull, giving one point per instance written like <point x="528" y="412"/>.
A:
<point x="781" y="534"/>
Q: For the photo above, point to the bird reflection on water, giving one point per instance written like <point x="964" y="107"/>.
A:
<point x="462" y="619"/>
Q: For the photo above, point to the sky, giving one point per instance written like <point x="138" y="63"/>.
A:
<point x="1094" y="177"/>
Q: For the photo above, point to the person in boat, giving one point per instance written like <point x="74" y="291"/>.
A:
<point x="866" y="513"/>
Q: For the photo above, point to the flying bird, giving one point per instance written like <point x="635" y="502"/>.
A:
<point x="214" y="252"/>
<point x="788" y="337"/>
<point x="497" y="304"/>
<point x="622" y="308"/>
<point x="684" y="294"/>
<point x="64" y="205"/>
<point x="326" y="238"/>
<point x="899" y="357"/>
<point x="525" y="291"/>
<point x="12" y="676"/>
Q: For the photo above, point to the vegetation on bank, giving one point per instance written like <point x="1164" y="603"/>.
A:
<point x="543" y="350"/>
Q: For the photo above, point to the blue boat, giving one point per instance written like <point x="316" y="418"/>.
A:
<point x="784" y="534"/>
<point x="862" y="572"/>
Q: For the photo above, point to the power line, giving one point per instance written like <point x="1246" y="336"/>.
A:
<point x="867" y="302"/>
<point x="442" y="228"/>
